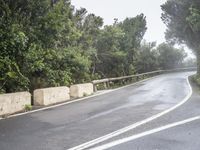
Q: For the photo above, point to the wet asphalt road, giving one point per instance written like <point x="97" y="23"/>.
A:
<point x="67" y="126"/>
<point x="181" y="137"/>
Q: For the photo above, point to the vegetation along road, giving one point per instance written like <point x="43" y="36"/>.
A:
<point x="133" y="109"/>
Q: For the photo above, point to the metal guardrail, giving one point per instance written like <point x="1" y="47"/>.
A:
<point x="137" y="77"/>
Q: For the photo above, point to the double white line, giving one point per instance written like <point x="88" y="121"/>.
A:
<point x="130" y="138"/>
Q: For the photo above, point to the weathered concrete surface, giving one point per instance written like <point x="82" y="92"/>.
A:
<point x="14" y="102"/>
<point x="80" y="90"/>
<point x="49" y="96"/>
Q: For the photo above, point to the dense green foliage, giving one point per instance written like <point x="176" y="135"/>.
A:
<point x="182" y="18"/>
<point x="47" y="43"/>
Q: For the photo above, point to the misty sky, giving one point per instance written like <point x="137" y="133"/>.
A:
<point x="110" y="9"/>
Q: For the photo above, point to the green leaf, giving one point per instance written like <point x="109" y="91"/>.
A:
<point x="11" y="74"/>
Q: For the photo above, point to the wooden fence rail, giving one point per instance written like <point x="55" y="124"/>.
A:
<point x="137" y="77"/>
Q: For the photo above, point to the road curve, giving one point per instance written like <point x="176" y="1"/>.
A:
<point x="70" y="125"/>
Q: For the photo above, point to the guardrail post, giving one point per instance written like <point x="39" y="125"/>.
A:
<point x="94" y="87"/>
<point x="137" y="78"/>
<point x="107" y="84"/>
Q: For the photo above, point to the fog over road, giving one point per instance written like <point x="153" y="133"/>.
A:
<point x="68" y="126"/>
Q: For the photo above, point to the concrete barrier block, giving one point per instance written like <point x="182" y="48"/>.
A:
<point x="80" y="90"/>
<point x="14" y="102"/>
<point x="50" y="96"/>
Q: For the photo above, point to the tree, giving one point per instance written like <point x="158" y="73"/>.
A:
<point x="110" y="59"/>
<point x="90" y="28"/>
<point x="147" y="59"/>
<point x="170" y="57"/>
<point x="182" y="19"/>
<point x="39" y="45"/>
<point x="134" y="29"/>
<point x="13" y="46"/>
<point x="190" y="62"/>
<point x="117" y="46"/>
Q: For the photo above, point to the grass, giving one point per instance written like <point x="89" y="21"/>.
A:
<point x="85" y="94"/>
<point x="28" y="107"/>
<point x="195" y="79"/>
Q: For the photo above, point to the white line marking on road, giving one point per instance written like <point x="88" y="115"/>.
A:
<point x="130" y="127"/>
<point x="131" y="138"/>
<point x="77" y="100"/>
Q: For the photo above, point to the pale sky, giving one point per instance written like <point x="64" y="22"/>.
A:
<point x="110" y="9"/>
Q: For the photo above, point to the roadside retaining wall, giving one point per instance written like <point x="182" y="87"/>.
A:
<point x="80" y="90"/>
<point x="50" y="96"/>
<point x="14" y="102"/>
